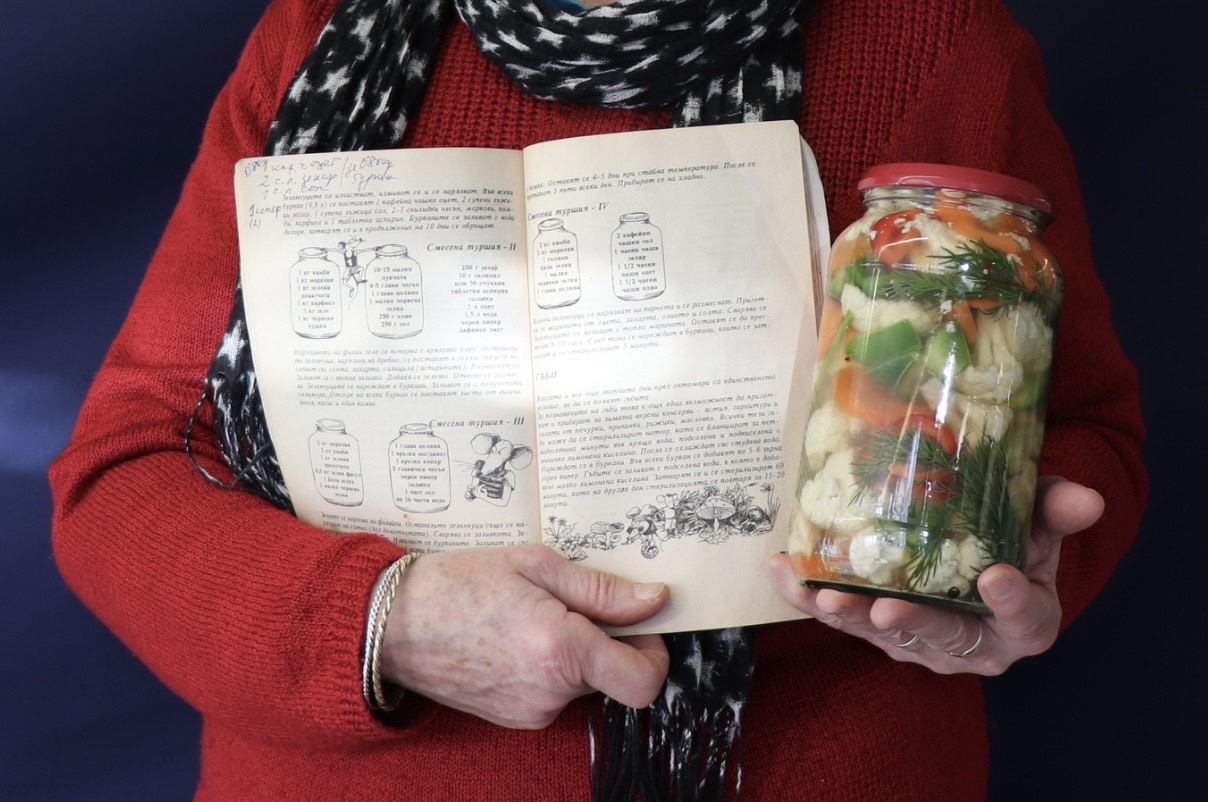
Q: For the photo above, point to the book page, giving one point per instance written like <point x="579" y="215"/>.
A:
<point x="387" y="307"/>
<point x="671" y="274"/>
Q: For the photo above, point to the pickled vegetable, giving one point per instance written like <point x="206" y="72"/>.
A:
<point x="920" y="458"/>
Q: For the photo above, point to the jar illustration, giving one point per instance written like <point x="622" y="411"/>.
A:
<point x="394" y="295"/>
<point x="420" y="478"/>
<point x="314" y="295"/>
<point x="555" y="265"/>
<point x="335" y="462"/>
<point x="637" y="258"/>
<point x="934" y="350"/>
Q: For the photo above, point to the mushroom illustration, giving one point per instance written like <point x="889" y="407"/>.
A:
<point x="715" y="509"/>
<point x="643" y="526"/>
<point x="643" y="519"/>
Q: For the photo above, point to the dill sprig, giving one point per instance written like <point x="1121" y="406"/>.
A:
<point x="984" y="500"/>
<point x="929" y="551"/>
<point x="973" y="271"/>
<point x="879" y="450"/>
<point x="926" y="512"/>
<point x="967" y="492"/>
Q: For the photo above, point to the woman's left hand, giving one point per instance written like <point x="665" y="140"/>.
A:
<point x="1025" y="611"/>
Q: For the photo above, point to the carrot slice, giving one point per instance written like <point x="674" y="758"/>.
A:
<point x="967" y="224"/>
<point x="808" y="566"/>
<point x="858" y="394"/>
<point x="962" y="313"/>
<point x="829" y="325"/>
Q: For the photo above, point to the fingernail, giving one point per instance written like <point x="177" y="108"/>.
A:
<point x="833" y="603"/>
<point x="999" y="587"/>
<point x="648" y="591"/>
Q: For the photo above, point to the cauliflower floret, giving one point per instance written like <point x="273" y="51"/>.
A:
<point x="1033" y="337"/>
<point x="826" y="498"/>
<point x="803" y="534"/>
<point x="876" y="555"/>
<point x="829" y="430"/>
<point x="945" y="575"/>
<point x="993" y="382"/>
<point x="973" y="558"/>
<point x="979" y="420"/>
<point x="995" y="372"/>
<point x="860" y="229"/>
<point x="939" y="237"/>
<point x="970" y="418"/>
<point x="867" y="316"/>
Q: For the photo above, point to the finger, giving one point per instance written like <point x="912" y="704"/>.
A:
<point x="939" y="630"/>
<point x="602" y="597"/>
<point x="631" y="671"/>
<point x="1026" y="614"/>
<point x="790" y="586"/>
<point x="846" y="611"/>
<point x="1064" y="507"/>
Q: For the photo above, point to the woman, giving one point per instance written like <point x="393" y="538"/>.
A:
<point x="259" y="620"/>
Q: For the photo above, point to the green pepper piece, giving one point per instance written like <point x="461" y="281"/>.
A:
<point x="864" y="273"/>
<point x="837" y="281"/>
<point x="947" y="351"/>
<point x="887" y="353"/>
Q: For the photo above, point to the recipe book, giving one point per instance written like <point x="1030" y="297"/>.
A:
<point x="599" y="343"/>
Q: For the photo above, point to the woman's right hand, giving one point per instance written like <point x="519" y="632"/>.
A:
<point x="509" y="634"/>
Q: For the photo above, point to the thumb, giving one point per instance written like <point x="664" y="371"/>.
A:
<point x="1064" y="507"/>
<point x="605" y="598"/>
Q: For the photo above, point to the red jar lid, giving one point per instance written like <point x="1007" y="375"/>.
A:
<point x="947" y="176"/>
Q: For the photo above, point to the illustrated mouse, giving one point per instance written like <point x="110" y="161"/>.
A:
<point x="493" y="478"/>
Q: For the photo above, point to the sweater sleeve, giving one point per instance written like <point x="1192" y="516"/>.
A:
<point x="985" y="106"/>
<point x="251" y="616"/>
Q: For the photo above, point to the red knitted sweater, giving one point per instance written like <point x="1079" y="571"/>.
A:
<point x="257" y="619"/>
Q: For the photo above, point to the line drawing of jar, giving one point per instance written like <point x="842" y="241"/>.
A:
<point x="420" y="474"/>
<point x="637" y="258"/>
<point x="394" y="296"/>
<point x="556" y="279"/>
<point x="335" y="462"/>
<point x="314" y="295"/>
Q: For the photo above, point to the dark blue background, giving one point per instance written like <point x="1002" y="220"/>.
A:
<point x="101" y="106"/>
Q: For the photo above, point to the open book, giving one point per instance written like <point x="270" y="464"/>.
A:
<point x="598" y="343"/>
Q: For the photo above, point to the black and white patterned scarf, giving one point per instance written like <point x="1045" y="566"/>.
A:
<point x="710" y="61"/>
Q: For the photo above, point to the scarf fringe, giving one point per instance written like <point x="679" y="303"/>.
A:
<point x="669" y="752"/>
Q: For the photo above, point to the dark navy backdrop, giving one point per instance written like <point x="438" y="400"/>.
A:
<point x="100" y="111"/>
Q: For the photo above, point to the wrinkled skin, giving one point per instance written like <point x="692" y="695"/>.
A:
<point x="508" y="634"/>
<point x="1026" y="613"/>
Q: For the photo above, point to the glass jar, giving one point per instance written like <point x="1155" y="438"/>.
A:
<point x="637" y="258"/>
<point x="555" y="265"/>
<point x="394" y="294"/>
<point x="335" y="461"/>
<point x="314" y="295"/>
<point x="935" y="343"/>
<point x="420" y="479"/>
